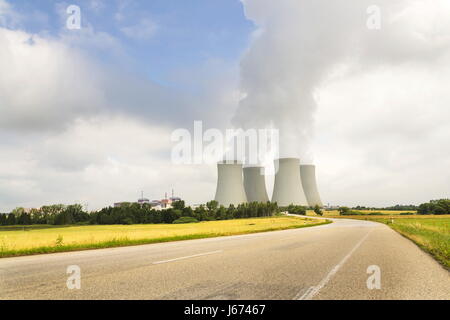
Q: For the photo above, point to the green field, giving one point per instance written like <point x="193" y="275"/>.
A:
<point x="20" y="240"/>
<point x="335" y="213"/>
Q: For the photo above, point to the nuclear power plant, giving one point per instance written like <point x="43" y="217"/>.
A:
<point x="255" y="184"/>
<point x="288" y="187"/>
<point x="230" y="186"/>
<point x="309" y="182"/>
<point x="294" y="184"/>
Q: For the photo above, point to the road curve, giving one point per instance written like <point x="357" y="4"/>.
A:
<point x="325" y="262"/>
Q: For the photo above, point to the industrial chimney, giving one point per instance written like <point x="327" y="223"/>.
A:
<point x="255" y="184"/>
<point x="309" y="182"/>
<point x="288" y="184"/>
<point x="230" y="186"/>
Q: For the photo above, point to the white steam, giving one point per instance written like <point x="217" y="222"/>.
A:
<point x="299" y="44"/>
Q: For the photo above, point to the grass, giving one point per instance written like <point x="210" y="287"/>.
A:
<point x="20" y="241"/>
<point x="431" y="233"/>
<point x="335" y="213"/>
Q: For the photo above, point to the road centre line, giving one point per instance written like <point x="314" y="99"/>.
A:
<point x="313" y="291"/>
<point x="188" y="257"/>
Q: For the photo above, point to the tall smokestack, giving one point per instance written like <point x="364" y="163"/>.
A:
<point x="230" y="186"/>
<point x="309" y="182"/>
<point x="255" y="184"/>
<point x="288" y="187"/>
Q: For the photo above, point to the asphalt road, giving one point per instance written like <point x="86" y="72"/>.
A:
<point x="326" y="262"/>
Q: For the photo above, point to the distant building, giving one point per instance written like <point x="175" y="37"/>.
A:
<point x="143" y="201"/>
<point x="165" y="203"/>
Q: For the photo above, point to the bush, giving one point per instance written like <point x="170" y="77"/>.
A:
<point x="184" y="220"/>
<point x="293" y="209"/>
<point x="127" y="221"/>
<point x="318" y="211"/>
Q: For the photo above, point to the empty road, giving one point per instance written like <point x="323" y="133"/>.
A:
<point x="325" y="262"/>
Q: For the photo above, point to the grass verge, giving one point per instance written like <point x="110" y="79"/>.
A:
<point x="430" y="233"/>
<point x="29" y="241"/>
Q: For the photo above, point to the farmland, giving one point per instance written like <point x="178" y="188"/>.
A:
<point x="26" y="240"/>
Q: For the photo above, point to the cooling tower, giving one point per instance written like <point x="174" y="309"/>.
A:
<point x="309" y="182"/>
<point x="288" y="184"/>
<point x="230" y="186"/>
<point x="255" y="184"/>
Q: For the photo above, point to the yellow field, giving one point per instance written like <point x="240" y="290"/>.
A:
<point x="52" y="239"/>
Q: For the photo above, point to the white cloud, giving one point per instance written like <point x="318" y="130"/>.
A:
<point x="43" y="83"/>
<point x="381" y="136"/>
<point x="73" y="130"/>
<point x="97" y="161"/>
<point x="377" y="100"/>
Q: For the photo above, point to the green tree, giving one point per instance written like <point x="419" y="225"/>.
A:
<point x="179" y="205"/>
<point x="318" y="210"/>
<point x="3" y="219"/>
<point x="11" y="220"/>
<point x="24" y="219"/>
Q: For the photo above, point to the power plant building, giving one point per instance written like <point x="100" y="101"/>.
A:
<point x="309" y="182"/>
<point x="230" y="185"/>
<point x="288" y="187"/>
<point x="255" y="184"/>
<point x="294" y="184"/>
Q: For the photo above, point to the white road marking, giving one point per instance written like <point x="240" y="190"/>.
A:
<point x="188" y="257"/>
<point x="299" y="295"/>
<point x="313" y="291"/>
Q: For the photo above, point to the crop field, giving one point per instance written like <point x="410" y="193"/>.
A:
<point x="20" y="240"/>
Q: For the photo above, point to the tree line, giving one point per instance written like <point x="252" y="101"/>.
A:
<point x="134" y="213"/>
<point x="436" y="207"/>
<point x="398" y="207"/>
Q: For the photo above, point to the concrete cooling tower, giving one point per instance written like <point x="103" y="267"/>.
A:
<point x="288" y="184"/>
<point x="309" y="182"/>
<point x="230" y="186"/>
<point x="255" y="184"/>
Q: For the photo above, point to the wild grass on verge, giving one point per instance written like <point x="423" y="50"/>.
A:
<point x="52" y="240"/>
<point x="432" y="235"/>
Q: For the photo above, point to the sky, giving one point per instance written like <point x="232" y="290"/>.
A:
<point x="86" y="115"/>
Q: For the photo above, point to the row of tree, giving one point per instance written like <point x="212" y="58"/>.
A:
<point x="398" y="207"/>
<point x="50" y="215"/>
<point x="135" y="213"/>
<point x="437" y="207"/>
